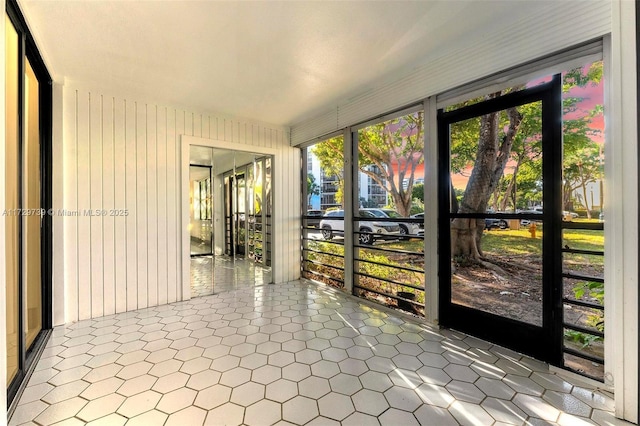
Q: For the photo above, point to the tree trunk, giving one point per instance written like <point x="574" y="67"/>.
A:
<point x="492" y="156"/>
<point x="466" y="233"/>
<point x="511" y="188"/>
<point x="584" y="191"/>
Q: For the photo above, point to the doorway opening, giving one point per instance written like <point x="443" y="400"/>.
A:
<point x="230" y="208"/>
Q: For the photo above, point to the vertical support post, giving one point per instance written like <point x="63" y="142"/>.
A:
<point x="621" y="223"/>
<point x="350" y="167"/>
<point x="304" y="154"/>
<point x="431" y="209"/>
<point x="552" y="306"/>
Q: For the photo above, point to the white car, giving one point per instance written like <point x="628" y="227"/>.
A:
<point x="332" y="223"/>
<point x="567" y="216"/>
<point x="406" y="228"/>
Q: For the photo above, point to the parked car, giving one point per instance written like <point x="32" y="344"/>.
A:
<point x="490" y="223"/>
<point x="315" y="216"/>
<point x="332" y="224"/>
<point x="601" y="217"/>
<point x="420" y="216"/>
<point x="527" y="222"/>
<point x="406" y="228"/>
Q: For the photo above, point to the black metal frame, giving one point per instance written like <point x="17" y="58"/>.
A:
<point x="28" y="50"/>
<point x="544" y="342"/>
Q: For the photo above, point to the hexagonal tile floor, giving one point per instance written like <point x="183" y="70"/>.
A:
<point x="227" y="273"/>
<point x="294" y="353"/>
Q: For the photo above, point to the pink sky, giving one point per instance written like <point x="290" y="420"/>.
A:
<point x="591" y="95"/>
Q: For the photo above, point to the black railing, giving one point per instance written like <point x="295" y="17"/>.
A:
<point x="322" y="258"/>
<point x="389" y="264"/>
<point x="583" y="302"/>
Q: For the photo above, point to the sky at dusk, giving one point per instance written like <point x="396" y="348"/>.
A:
<point x="590" y="95"/>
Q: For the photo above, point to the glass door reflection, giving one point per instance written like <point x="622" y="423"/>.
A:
<point x="200" y="210"/>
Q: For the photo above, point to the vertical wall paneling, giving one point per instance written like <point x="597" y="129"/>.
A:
<point x="161" y="204"/>
<point x="172" y="208"/>
<point x="141" y="200"/>
<point x="184" y="201"/>
<point x="108" y="205"/>
<point x="152" y="206"/>
<point x="125" y="155"/>
<point x="197" y="125"/>
<point x="84" y="204"/>
<point x="130" y="187"/>
<point x="58" y="163"/>
<point x="188" y="123"/>
<point x="180" y="130"/>
<point x="120" y="204"/>
<point x="228" y="131"/>
<point x="70" y="179"/>
<point x="96" y="193"/>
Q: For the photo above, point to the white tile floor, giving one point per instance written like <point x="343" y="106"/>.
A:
<point x="290" y="354"/>
<point x="211" y="275"/>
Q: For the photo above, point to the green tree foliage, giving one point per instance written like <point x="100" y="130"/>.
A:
<point x="582" y="166"/>
<point x="395" y="150"/>
<point x="417" y="193"/>
<point x="484" y="147"/>
<point x="312" y="187"/>
<point x="388" y="152"/>
<point x="331" y="157"/>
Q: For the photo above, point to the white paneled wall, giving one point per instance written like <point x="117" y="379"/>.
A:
<point x="123" y="156"/>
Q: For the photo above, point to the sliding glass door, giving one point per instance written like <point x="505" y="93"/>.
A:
<point x="12" y="198"/>
<point x="27" y="199"/>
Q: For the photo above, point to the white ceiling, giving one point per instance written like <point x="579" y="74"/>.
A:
<point x="273" y="61"/>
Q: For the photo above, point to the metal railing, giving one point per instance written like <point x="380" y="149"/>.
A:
<point x="583" y="319"/>
<point x="389" y="267"/>
<point x="322" y="259"/>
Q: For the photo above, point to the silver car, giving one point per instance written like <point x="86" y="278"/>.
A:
<point x="406" y="228"/>
<point x="332" y="224"/>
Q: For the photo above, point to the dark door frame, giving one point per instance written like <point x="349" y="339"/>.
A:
<point x="543" y="342"/>
<point x="28" y="50"/>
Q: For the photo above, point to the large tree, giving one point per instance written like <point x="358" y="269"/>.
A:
<point x="388" y="153"/>
<point x="490" y="142"/>
<point x="329" y="153"/>
<point x="582" y="167"/>
<point x="496" y="134"/>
